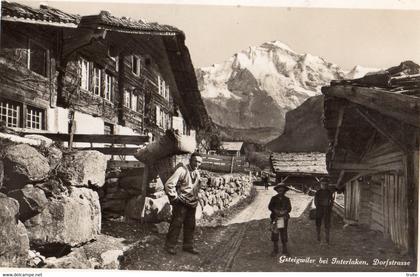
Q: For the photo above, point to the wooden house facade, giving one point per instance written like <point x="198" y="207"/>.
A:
<point x="95" y="74"/>
<point x="302" y="170"/>
<point x="373" y="125"/>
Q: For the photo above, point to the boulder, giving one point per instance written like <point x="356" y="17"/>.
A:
<point x="77" y="259"/>
<point x="44" y="141"/>
<point x="111" y="259"/>
<point x="69" y="220"/>
<point x="32" y="201"/>
<point x="208" y="210"/>
<point x="155" y="210"/>
<point x="162" y="227"/>
<point x="199" y="212"/>
<point x="14" y="242"/>
<point x="83" y="168"/>
<point x="106" y="251"/>
<point x="54" y="156"/>
<point x="155" y="186"/>
<point x="23" y="164"/>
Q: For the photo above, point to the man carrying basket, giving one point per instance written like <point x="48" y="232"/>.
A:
<point x="280" y="208"/>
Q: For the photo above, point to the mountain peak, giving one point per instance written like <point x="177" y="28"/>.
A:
<point x="277" y="44"/>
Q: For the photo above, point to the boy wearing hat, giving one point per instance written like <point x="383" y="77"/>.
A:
<point x="280" y="208"/>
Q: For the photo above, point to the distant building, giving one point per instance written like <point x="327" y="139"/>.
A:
<point x="232" y="148"/>
<point x="303" y="170"/>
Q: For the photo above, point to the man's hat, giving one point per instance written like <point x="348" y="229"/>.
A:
<point x="281" y="185"/>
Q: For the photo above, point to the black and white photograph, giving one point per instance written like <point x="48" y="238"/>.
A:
<point x="209" y="136"/>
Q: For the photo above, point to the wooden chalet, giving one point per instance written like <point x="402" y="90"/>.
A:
<point x="373" y="126"/>
<point x="302" y="170"/>
<point x="232" y="148"/>
<point x="95" y="74"/>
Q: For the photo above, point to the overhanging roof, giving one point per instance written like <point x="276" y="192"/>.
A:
<point x="312" y="163"/>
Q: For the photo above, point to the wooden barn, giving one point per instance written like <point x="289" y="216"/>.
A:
<point x="302" y="170"/>
<point x="232" y="148"/>
<point x="95" y="74"/>
<point x="373" y="126"/>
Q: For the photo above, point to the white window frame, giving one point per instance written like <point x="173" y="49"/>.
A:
<point x="127" y="99"/>
<point x="134" y="101"/>
<point x="35" y="118"/>
<point x="109" y="87"/>
<point x="85" y="66"/>
<point x="10" y="113"/>
<point x="96" y="81"/>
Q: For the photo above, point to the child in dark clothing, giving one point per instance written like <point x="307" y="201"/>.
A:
<point x="280" y="208"/>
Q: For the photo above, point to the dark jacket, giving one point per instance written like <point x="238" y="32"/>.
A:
<point x="324" y="198"/>
<point x="279" y="203"/>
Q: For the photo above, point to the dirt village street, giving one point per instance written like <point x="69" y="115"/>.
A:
<point x="241" y="242"/>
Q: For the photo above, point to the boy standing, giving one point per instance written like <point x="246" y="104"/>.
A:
<point x="280" y="208"/>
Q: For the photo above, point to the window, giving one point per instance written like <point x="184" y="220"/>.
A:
<point x="135" y="65"/>
<point x="34" y="118"/>
<point x="109" y="87"/>
<point x="85" y="78"/>
<point x="134" y="101"/>
<point x="37" y="58"/>
<point x="10" y="113"/>
<point x="127" y="99"/>
<point x="96" y="81"/>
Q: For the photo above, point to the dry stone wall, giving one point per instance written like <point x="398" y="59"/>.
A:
<point x="48" y="199"/>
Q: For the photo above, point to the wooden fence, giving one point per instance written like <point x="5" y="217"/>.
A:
<point x="115" y="145"/>
<point x="218" y="163"/>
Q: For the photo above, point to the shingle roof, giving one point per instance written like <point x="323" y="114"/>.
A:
<point x="11" y="11"/>
<point x="299" y="163"/>
<point x="107" y="21"/>
<point x="232" y="146"/>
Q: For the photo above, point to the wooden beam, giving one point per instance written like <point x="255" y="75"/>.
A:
<point x="391" y="129"/>
<point x="337" y="130"/>
<point x="122" y="151"/>
<point x="81" y="39"/>
<point x="94" y="138"/>
<point x="404" y="108"/>
<point x="126" y="164"/>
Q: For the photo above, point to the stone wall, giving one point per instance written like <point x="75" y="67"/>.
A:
<point x="50" y="198"/>
<point x="121" y="195"/>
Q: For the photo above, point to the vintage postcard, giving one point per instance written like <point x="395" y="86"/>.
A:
<point x="186" y="136"/>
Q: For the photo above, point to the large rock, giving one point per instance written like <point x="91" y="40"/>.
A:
<point x="32" y="201"/>
<point x="14" y="242"/>
<point x="83" y="168"/>
<point x="70" y="220"/>
<point x="208" y="210"/>
<point x="23" y="164"/>
<point x="106" y="251"/>
<point x="155" y="210"/>
<point x="77" y="259"/>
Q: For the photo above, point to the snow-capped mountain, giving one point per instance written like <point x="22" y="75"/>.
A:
<point x="360" y="71"/>
<point x="251" y="92"/>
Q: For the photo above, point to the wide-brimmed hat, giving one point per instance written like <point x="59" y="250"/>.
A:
<point x="281" y="185"/>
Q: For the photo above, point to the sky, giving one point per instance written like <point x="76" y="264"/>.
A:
<point x="378" y="38"/>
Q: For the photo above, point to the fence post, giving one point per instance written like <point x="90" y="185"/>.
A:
<point x="231" y="164"/>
